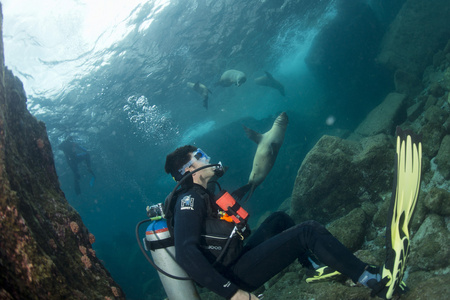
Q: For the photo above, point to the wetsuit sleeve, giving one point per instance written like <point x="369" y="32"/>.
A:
<point x="190" y="212"/>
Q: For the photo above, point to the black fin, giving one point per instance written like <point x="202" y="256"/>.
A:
<point x="253" y="187"/>
<point x="240" y="192"/>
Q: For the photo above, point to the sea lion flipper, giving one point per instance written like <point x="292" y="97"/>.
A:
<point x="250" y="194"/>
<point x="240" y="192"/>
<point x="268" y="75"/>
<point x="205" y="102"/>
<point x="253" y="135"/>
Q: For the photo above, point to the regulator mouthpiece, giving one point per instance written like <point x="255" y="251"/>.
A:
<point x="218" y="170"/>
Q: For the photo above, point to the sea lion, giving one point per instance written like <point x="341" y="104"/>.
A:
<point x="268" y="80"/>
<point x="269" y="144"/>
<point x="202" y="90"/>
<point x="230" y="77"/>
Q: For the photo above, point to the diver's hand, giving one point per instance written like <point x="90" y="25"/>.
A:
<point x="243" y="295"/>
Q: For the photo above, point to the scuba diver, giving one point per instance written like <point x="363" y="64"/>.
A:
<point x="234" y="267"/>
<point x="76" y="154"/>
<point x="198" y="236"/>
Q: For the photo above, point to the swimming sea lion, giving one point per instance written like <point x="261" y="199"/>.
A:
<point x="268" y="80"/>
<point x="230" y="77"/>
<point x="269" y="144"/>
<point x="202" y="90"/>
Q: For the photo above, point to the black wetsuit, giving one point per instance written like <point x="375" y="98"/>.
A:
<point x="276" y="244"/>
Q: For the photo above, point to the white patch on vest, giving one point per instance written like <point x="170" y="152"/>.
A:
<point x="187" y="203"/>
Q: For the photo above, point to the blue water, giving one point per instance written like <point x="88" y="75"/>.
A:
<point x="132" y="105"/>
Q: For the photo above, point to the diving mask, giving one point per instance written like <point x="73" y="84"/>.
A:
<point x="198" y="155"/>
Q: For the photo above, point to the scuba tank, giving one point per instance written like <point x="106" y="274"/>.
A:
<point x="160" y="244"/>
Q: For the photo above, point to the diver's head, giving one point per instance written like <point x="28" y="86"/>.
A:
<point x="178" y="158"/>
<point x="187" y="159"/>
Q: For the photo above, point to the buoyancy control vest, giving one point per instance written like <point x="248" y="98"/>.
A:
<point x="222" y="239"/>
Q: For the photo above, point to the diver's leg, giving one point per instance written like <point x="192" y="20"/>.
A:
<point x="267" y="259"/>
<point x="273" y="225"/>
<point x="73" y="164"/>
<point x="87" y="159"/>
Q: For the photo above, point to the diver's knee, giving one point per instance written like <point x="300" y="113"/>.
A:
<point x="280" y="215"/>
<point x="315" y="226"/>
<point x="282" y="218"/>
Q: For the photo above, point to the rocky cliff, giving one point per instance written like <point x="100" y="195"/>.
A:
<point x="409" y="46"/>
<point x="45" y="250"/>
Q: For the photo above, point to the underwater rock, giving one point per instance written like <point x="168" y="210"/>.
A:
<point x="420" y="213"/>
<point x="384" y="117"/>
<point x="446" y="124"/>
<point x="437" y="200"/>
<point x="414" y="111"/>
<point x="446" y="79"/>
<point x="427" y="286"/>
<point x="380" y="218"/>
<point x="406" y="83"/>
<point x="436" y="89"/>
<point x="436" y="115"/>
<point x="439" y="59"/>
<point x="432" y="130"/>
<point x="420" y="28"/>
<point x="337" y="175"/>
<point x="40" y="255"/>
<point x="350" y="229"/>
<point x="431" y="244"/>
<point x="318" y="189"/>
<point x="443" y="157"/>
<point x="431" y="100"/>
